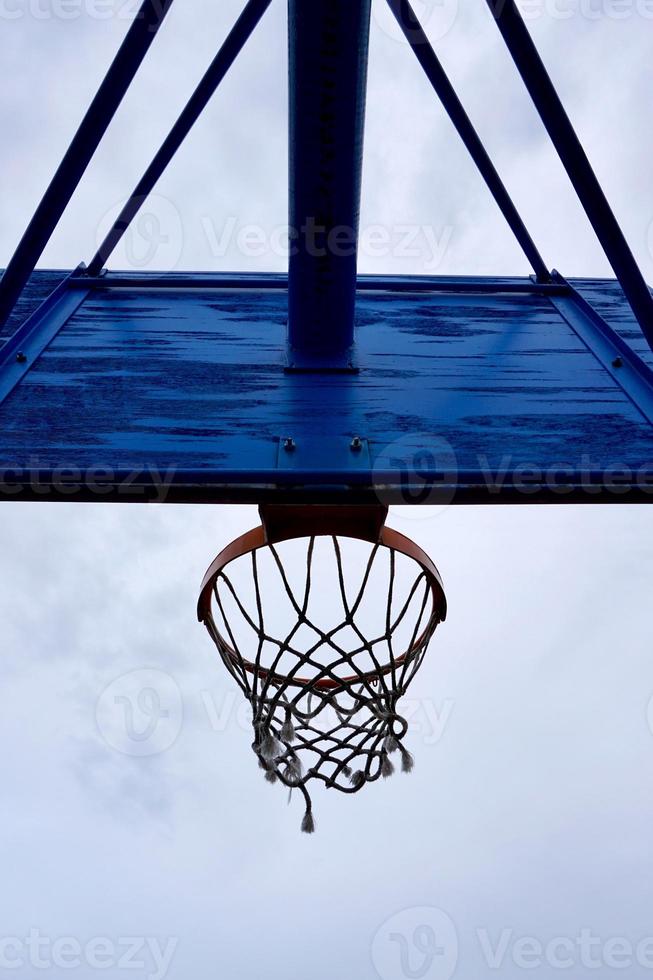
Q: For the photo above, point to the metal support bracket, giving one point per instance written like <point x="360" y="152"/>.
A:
<point x="285" y="521"/>
<point x="308" y="456"/>
<point x="317" y="362"/>
<point x="20" y="352"/>
<point x="624" y="365"/>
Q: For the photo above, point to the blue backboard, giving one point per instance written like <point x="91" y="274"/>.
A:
<point x="177" y="387"/>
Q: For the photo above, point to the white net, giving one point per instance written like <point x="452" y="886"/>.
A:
<point x="323" y="635"/>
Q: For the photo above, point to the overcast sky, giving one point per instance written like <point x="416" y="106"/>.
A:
<point x="139" y="834"/>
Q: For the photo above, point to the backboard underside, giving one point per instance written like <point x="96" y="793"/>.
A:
<point x="175" y="388"/>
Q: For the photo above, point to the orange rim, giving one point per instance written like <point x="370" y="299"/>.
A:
<point x="258" y="538"/>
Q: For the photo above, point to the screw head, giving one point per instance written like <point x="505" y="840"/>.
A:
<point x="618" y="362"/>
<point x="20" y="357"/>
<point x="289" y="445"/>
<point x="356" y="444"/>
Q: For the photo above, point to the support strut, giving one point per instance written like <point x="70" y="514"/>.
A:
<point x="224" y="59"/>
<point x="574" y="159"/>
<point x="423" y="50"/>
<point x="78" y="155"/>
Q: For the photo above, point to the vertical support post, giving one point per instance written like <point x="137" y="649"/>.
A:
<point x="328" y="56"/>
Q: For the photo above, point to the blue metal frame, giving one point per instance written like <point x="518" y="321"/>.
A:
<point x="311" y="487"/>
<point x="78" y="156"/>
<point x="233" y="45"/>
<point x="574" y="159"/>
<point x="414" y="33"/>
<point x="348" y="77"/>
<point x="328" y="43"/>
<point x="327" y="102"/>
<point x="364" y="283"/>
<point x="617" y="357"/>
<point x="31" y="339"/>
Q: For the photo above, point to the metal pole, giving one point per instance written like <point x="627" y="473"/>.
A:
<point x="216" y="71"/>
<point x="328" y="55"/>
<point x="78" y="155"/>
<point x="546" y="100"/>
<point x="410" y="25"/>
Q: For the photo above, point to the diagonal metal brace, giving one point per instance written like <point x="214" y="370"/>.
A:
<point x="78" y="155"/>
<point x="423" y="50"/>
<point x="574" y="159"/>
<point x="198" y="101"/>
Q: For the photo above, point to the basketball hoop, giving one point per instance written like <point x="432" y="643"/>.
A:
<point x="324" y="699"/>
